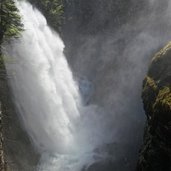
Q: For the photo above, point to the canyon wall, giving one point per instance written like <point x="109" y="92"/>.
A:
<point x="155" y="154"/>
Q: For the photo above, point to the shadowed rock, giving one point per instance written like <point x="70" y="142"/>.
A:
<point x="156" y="151"/>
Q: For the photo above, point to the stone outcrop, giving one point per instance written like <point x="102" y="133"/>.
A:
<point x="156" y="151"/>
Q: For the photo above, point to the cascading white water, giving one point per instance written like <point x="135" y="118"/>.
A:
<point x="44" y="88"/>
<point x="48" y="99"/>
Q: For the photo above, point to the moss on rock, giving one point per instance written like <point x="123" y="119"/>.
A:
<point x="155" y="154"/>
<point x="163" y="101"/>
<point x="150" y="90"/>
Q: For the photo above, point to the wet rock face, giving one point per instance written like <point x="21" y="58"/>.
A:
<point x="156" y="152"/>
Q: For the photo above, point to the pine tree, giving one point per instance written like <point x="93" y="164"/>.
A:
<point x="10" y="20"/>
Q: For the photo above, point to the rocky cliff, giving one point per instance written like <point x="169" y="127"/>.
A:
<point x="156" y="152"/>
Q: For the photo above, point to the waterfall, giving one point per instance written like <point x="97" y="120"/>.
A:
<point x="48" y="99"/>
<point x="45" y="91"/>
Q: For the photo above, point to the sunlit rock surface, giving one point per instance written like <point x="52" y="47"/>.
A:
<point x="156" y="151"/>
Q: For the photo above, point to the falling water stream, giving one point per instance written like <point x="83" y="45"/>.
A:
<point x="68" y="132"/>
<point x="48" y="99"/>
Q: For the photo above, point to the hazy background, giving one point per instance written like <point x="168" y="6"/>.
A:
<point x="110" y="44"/>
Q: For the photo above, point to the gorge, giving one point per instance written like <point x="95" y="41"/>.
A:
<point x="80" y="102"/>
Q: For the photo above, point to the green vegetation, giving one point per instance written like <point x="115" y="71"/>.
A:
<point x="10" y="20"/>
<point x="149" y="82"/>
<point x="156" y="99"/>
<point x="52" y="9"/>
<point x="162" y="106"/>
<point x="162" y="52"/>
<point x="164" y="96"/>
<point x="10" y="24"/>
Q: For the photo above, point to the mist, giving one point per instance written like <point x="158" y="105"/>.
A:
<point x="86" y="108"/>
<point x="114" y="58"/>
<point x="64" y="130"/>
